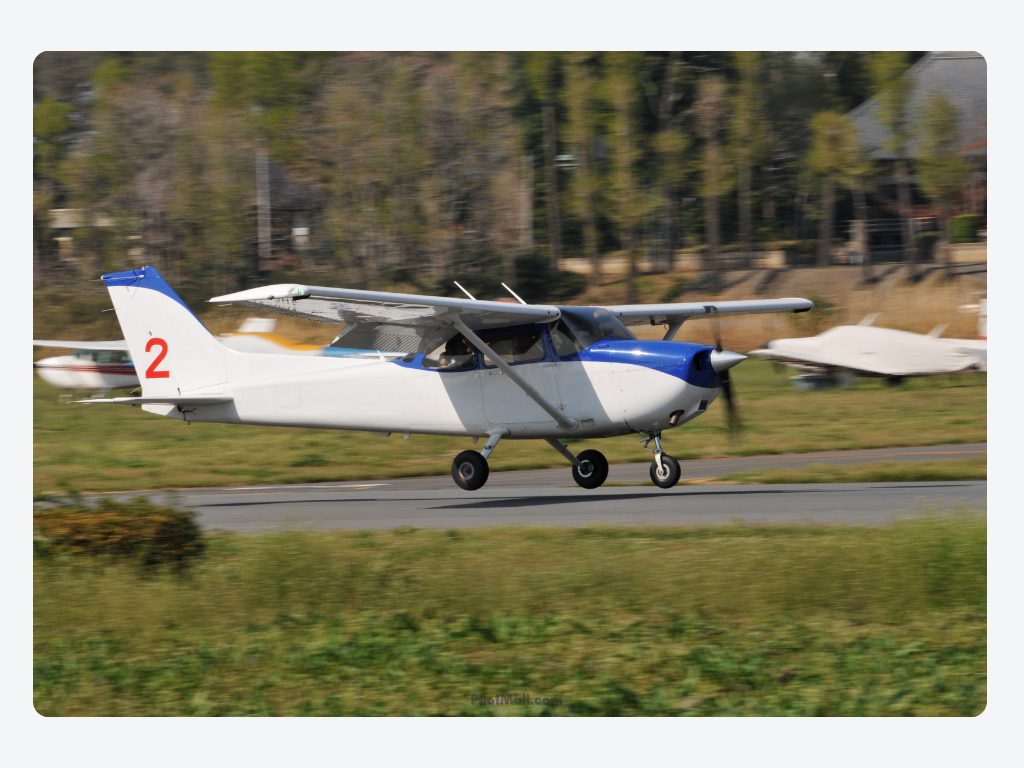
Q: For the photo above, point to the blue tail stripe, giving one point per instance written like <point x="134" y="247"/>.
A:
<point x="147" y="277"/>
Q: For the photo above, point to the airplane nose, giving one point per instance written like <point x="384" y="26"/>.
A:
<point x="724" y="360"/>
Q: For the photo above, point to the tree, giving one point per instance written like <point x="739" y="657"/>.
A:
<point x="670" y="145"/>
<point x="582" y="132"/>
<point x="747" y="136"/>
<point x="623" y="73"/>
<point x="834" y="159"/>
<point x="710" y="109"/>
<point x="543" y="73"/>
<point x="941" y="170"/>
<point x="892" y="95"/>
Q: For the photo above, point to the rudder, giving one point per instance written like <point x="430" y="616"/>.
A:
<point x="173" y="351"/>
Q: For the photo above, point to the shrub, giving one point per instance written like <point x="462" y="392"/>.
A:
<point x="136" y="529"/>
<point x="964" y="229"/>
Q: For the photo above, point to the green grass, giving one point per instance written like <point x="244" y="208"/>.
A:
<point x="669" y="621"/>
<point x="875" y="472"/>
<point x="110" y="448"/>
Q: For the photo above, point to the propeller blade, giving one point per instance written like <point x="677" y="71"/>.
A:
<point x="732" y="414"/>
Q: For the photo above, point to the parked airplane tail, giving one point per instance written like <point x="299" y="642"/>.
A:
<point x="173" y="351"/>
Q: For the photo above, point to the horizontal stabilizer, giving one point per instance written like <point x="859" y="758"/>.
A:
<point x="180" y="400"/>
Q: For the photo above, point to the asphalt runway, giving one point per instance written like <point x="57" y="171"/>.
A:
<point x="549" y="497"/>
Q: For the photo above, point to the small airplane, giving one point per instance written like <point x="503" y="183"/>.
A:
<point x="92" y="365"/>
<point x="107" y="365"/>
<point x="480" y="369"/>
<point x="839" y="354"/>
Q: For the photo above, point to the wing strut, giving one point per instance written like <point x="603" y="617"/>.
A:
<point x="532" y="393"/>
<point x="673" y="329"/>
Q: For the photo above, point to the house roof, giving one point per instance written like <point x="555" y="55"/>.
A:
<point x="963" y="76"/>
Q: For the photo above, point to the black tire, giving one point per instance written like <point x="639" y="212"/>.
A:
<point x="671" y="472"/>
<point x="593" y="469"/>
<point x="470" y="470"/>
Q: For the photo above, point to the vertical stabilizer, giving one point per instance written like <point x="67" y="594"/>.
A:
<point x="173" y="351"/>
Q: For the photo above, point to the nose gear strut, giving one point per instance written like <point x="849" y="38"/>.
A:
<point x="664" y="469"/>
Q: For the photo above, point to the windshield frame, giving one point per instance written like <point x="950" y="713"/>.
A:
<point x="591" y="325"/>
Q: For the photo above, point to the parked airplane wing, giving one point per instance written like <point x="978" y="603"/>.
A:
<point x="119" y="345"/>
<point x="820" y="360"/>
<point x="873" y="351"/>
<point x="657" y="314"/>
<point x="180" y="400"/>
<point x="335" y="306"/>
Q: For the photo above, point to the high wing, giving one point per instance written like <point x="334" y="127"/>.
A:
<point x="121" y="345"/>
<point x="658" y="314"/>
<point x="398" y="322"/>
<point x="402" y="322"/>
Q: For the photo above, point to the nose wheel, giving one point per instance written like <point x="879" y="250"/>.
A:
<point x="664" y="469"/>
<point x="667" y="474"/>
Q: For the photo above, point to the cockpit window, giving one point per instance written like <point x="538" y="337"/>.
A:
<point x="565" y="341"/>
<point x="519" y="345"/>
<point x="456" y="354"/>
<point x="593" y="324"/>
<point x="104" y="356"/>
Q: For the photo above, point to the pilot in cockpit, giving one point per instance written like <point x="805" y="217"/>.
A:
<point x="458" y="353"/>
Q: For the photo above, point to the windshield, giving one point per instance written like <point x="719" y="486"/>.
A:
<point x="593" y="324"/>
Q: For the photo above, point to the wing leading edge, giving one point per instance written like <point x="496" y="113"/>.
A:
<point x="658" y="314"/>
<point x="349" y="306"/>
<point x="116" y="346"/>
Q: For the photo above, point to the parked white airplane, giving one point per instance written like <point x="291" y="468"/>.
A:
<point x="92" y="365"/>
<point x="107" y="365"/>
<point x="846" y="351"/>
<point x="472" y="368"/>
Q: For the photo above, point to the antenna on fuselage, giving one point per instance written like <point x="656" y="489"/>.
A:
<point x="513" y="293"/>
<point x="464" y="290"/>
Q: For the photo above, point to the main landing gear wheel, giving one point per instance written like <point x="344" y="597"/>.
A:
<point x="592" y="469"/>
<point x="470" y="470"/>
<point x="669" y="473"/>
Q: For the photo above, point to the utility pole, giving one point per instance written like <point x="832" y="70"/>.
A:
<point x="263" y="204"/>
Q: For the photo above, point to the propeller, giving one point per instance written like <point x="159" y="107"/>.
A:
<point x="721" y="362"/>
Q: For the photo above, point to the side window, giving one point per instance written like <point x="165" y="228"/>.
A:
<point x="456" y="354"/>
<point x="565" y="342"/>
<point x="517" y="346"/>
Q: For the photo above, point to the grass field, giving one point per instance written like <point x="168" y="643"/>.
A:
<point x="109" y="448"/>
<point x="702" y="621"/>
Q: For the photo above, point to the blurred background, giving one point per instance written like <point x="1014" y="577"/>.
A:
<point x="582" y="177"/>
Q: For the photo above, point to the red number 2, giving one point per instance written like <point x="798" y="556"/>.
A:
<point x="152" y="372"/>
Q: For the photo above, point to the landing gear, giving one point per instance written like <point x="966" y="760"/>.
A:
<point x="470" y="470"/>
<point x="592" y="470"/>
<point x="589" y="469"/>
<point x="667" y="474"/>
<point x="664" y="469"/>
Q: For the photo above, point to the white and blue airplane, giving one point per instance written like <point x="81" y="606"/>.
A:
<point x="480" y="369"/>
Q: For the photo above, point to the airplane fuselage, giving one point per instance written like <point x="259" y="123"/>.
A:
<point x="610" y="388"/>
<point x="88" y="370"/>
